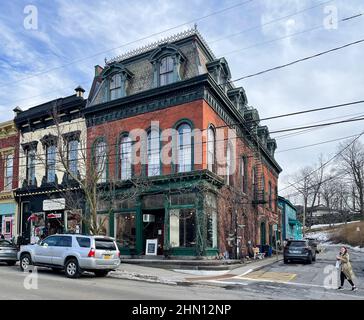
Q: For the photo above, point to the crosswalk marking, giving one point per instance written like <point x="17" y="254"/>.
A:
<point x="273" y="276"/>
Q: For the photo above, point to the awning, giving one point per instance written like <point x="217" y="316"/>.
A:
<point x="294" y="222"/>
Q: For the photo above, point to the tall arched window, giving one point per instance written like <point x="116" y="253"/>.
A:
<point x="100" y="160"/>
<point x="125" y="158"/>
<point x="211" y="149"/>
<point x="153" y="167"/>
<point x="184" y="146"/>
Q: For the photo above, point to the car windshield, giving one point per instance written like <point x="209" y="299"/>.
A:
<point x="105" y="244"/>
<point x="296" y="244"/>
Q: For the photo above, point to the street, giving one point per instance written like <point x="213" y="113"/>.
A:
<point x="276" y="281"/>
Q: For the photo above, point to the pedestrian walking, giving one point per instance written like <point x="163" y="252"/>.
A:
<point x="346" y="271"/>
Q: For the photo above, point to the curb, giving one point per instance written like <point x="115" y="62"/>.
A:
<point x="156" y="279"/>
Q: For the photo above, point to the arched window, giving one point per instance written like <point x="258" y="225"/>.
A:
<point x="125" y="158"/>
<point x="211" y="149"/>
<point x="184" y="146"/>
<point x="100" y="160"/>
<point x="228" y="164"/>
<point x="153" y="167"/>
<point x="243" y="172"/>
<point x="51" y="163"/>
<point x="166" y="71"/>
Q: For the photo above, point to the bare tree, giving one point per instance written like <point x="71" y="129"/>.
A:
<point x="352" y="165"/>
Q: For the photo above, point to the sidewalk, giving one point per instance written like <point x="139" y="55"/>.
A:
<point x="186" y="277"/>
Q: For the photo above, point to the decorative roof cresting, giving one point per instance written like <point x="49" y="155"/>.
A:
<point x="153" y="45"/>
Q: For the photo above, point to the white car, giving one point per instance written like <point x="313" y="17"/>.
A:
<point x="72" y="253"/>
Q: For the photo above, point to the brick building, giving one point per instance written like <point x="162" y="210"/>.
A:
<point x="9" y="165"/>
<point x="170" y="126"/>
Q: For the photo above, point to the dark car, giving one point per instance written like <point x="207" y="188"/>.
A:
<point x="313" y="243"/>
<point x="8" y="252"/>
<point x="299" y="250"/>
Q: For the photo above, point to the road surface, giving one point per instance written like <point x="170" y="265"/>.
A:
<point x="277" y="281"/>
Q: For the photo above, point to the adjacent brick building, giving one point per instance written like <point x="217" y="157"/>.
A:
<point x="9" y="167"/>
<point x="218" y="191"/>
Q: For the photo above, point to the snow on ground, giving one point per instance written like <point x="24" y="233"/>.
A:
<point x="324" y="236"/>
<point x="318" y="226"/>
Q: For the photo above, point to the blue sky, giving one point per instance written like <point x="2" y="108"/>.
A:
<point x="73" y="36"/>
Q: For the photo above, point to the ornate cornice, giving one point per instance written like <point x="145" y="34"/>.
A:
<point x="7" y="129"/>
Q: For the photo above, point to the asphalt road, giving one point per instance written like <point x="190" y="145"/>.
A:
<point x="278" y="281"/>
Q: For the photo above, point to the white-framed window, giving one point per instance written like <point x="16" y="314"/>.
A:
<point x="115" y="87"/>
<point x="154" y="153"/>
<point x="31" y="166"/>
<point x="125" y="158"/>
<point x="211" y="149"/>
<point x="51" y="163"/>
<point x="73" y="156"/>
<point x="166" y="71"/>
<point x="101" y="160"/>
<point x="8" y="171"/>
<point x="184" y="148"/>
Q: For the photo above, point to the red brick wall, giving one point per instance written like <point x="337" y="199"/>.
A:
<point x="7" y="142"/>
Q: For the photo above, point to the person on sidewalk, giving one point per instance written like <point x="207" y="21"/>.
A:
<point x="346" y="271"/>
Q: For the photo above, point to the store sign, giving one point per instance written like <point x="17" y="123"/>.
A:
<point x="54" y="204"/>
<point x="54" y="216"/>
<point x="151" y="246"/>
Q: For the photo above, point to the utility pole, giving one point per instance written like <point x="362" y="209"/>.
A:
<point x="304" y="215"/>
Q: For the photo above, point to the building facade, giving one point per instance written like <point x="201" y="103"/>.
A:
<point x="9" y="165"/>
<point x="291" y="227"/>
<point x="181" y="151"/>
<point x="51" y="139"/>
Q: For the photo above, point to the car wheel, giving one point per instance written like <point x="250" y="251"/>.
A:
<point x="285" y="261"/>
<point x="25" y="262"/>
<point x="72" y="269"/>
<point x="314" y="258"/>
<point x="101" y="273"/>
<point x="11" y="263"/>
<point x="309" y="260"/>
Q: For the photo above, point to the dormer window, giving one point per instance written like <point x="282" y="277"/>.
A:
<point x="166" y="61"/>
<point x="115" y="87"/>
<point x="166" y="71"/>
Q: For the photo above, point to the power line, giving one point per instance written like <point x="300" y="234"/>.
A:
<point x="316" y="144"/>
<point x="318" y="125"/>
<point x="296" y="61"/>
<point x="313" y="110"/>
<point x="326" y="163"/>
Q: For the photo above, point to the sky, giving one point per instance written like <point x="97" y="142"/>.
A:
<point x="48" y="56"/>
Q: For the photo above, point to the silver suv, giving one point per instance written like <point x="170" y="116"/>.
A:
<point x="72" y="253"/>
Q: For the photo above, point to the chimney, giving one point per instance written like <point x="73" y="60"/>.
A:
<point x="17" y="110"/>
<point x="79" y="91"/>
<point x="98" y="70"/>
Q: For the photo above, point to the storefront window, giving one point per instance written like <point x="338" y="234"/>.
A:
<point x="74" y="221"/>
<point x="182" y="224"/>
<point x="125" y="230"/>
<point x="103" y="223"/>
<point x="38" y="228"/>
<point x="211" y="221"/>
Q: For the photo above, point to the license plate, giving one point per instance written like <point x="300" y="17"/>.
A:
<point x="295" y="251"/>
<point x="107" y="256"/>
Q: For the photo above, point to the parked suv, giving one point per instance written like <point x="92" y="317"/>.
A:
<point x="299" y="250"/>
<point x="73" y="254"/>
